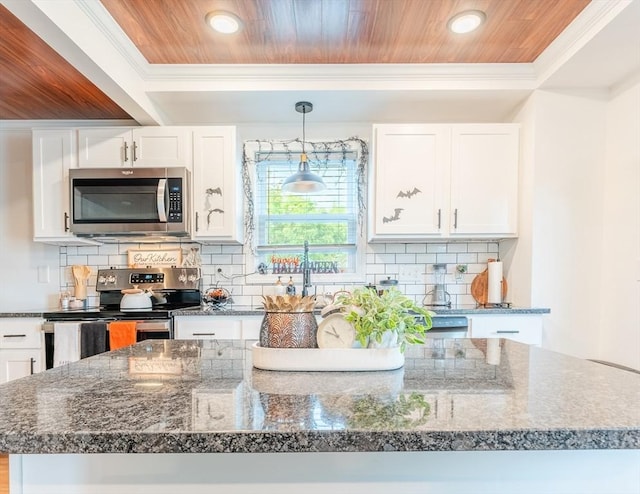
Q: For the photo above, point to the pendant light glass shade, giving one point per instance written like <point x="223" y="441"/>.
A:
<point x="303" y="181"/>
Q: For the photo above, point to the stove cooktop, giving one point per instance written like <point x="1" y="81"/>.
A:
<point x="109" y="313"/>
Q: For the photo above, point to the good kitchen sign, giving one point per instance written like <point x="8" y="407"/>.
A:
<point x="154" y="258"/>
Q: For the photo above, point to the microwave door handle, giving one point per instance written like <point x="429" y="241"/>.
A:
<point x="161" y="200"/>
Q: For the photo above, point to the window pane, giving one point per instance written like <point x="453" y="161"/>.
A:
<point x="327" y="220"/>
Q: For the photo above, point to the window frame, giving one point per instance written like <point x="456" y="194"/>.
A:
<point x="294" y="147"/>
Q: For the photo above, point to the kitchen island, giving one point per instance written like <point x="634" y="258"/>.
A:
<point x="461" y="415"/>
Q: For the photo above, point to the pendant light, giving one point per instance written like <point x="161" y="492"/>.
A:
<point x="303" y="181"/>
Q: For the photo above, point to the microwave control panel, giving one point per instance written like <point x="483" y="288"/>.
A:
<point x="174" y="214"/>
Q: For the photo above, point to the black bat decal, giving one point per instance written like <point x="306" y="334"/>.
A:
<point x="395" y="217"/>
<point x="211" y="211"/>
<point x="409" y="193"/>
<point x="217" y="190"/>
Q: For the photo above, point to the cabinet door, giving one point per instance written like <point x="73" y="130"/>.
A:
<point x="19" y="333"/>
<point x="523" y="328"/>
<point x="216" y="196"/>
<point x="106" y="147"/>
<point x="161" y="146"/>
<point x="410" y="176"/>
<point x="15" y="364"/>
<point x="53" y="156"/>
<point x="484" y="180"/>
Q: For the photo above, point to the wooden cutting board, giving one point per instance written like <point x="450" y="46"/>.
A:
<point x="480" y="287"/>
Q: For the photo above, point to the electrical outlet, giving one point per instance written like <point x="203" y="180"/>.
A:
<point x="410" y="273"/>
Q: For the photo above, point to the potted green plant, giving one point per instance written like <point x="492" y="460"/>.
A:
<point x="385" y="319"/>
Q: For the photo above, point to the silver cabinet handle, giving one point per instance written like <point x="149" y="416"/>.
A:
<point x="126" y="157"/>
<point x="14" y="336"/>
<point x="507" y="332"/>
<point x="133" y="151"/>
<point x="203" y="334"/>
<point x="32" y="361"/>
<point x="196" y="221"/>
<point x="439" y="218"/>
<point x="66" y="222"/>
<point x="455" y="218"/>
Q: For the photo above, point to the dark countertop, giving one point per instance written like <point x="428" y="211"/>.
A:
<point x="178" y="396"/>
<point x="254" y="311"/>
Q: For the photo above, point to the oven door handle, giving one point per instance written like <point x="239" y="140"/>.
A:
<point x="151" y="326"/>
<point x="161" y="200"/>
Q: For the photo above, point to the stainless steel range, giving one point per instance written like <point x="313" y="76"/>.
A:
<point x="167" y="288"/>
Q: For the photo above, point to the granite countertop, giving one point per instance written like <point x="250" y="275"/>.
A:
<point x="257" y="311"/>
<point x="254" y="311"/>
<point x="178" y="396"/>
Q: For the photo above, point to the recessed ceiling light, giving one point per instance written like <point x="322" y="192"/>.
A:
<point x="466" y="21"/>
<point x="224" y="22"/>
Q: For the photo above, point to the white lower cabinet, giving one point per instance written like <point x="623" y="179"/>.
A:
<point x="207" y="328"/>
<point x="21" y="348"/>
<point x="525" y="328"/>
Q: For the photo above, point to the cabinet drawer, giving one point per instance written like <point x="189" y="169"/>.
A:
<point x="525" y="329"/>
<point x="21" y="333"/>
<point x="207" y="328"/>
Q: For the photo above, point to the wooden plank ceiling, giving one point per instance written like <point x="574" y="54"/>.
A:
<point x="37" y="83"/>
<point x="342" y="31"/>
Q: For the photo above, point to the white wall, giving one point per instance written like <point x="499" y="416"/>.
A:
<point x="559" y="252"/>
<point x="19" y="285"/>
<point x="620" y="269"/>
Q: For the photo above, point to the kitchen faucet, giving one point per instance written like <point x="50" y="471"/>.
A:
<point x="306" y="270"/>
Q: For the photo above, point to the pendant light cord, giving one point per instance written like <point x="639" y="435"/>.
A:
<point x="304" y="114"/>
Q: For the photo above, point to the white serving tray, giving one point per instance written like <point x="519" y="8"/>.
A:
<point x="327" y="359"/>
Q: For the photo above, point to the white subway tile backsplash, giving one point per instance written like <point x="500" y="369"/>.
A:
<point x="446" y="258"/>
<point x="477" y="247"/>
<point x="211" y="249"/>
<point x="456" y="247"/>
<point x="385" y="258"/>
<point x="396" y="248"/>
<point x="425" y="258"/>
<point x="436" y="248"/>
<point x="467" y="258"/>
<point x="416" y="248"/>
<point x="100" y="261"/>
<point x="382" y="260"/>
<point x="405" y="259"/>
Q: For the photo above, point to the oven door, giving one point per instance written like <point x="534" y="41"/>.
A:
<point x="128" y="202"/>
<point x="151" y="329"/>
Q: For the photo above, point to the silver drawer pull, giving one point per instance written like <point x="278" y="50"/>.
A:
<point x="14" y="336"/>
<point x="508" y="332"/>
<point x="203" y="334"/>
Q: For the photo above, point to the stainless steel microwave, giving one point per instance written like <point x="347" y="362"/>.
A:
<point x="116" y="202"/>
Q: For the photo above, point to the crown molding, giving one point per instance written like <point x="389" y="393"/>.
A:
<point x="576" y="35"/>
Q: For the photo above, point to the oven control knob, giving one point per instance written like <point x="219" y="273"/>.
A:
<point x="101" y="280"/>
<point x="192" y="278"/>
<point x="111" y="279"/>
<point x="182" y="278"/>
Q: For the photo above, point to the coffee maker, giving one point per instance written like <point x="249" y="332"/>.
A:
<point x="438" y="297"/>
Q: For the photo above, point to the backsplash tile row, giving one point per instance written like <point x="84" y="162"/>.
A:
<point x="411" y="264"/>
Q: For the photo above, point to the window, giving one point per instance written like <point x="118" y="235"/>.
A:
<point x="331" y="221"/>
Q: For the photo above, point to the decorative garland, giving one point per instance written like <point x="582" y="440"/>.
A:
<point x="320" y="152"/>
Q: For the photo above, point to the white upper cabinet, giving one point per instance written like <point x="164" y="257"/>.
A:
<point x="53" y="157"/>
<point x="484" y="180"/>
<point x="408" y="179"/>
<point x="217" y="192"/>
<point x="437" y="181"/>
<point x="110" y="147"/>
